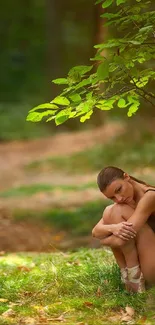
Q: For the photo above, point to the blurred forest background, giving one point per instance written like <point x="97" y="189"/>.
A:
<point x="48" y="173"/>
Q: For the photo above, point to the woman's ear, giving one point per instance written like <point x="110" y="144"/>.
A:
<point x="126" y="176"/>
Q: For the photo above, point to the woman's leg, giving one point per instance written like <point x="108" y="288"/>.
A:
<point x="120" y="259"/>
<point x="141" y="251"/>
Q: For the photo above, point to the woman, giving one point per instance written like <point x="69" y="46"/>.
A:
<point x="128" y="226"/>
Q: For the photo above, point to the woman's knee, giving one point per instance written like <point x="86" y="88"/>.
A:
<point x="121" y="212"/>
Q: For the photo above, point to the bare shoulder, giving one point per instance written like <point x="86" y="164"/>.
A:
<point x="150" y="194"/>
<point x="147" y="202"/>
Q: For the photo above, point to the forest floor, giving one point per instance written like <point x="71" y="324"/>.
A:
<point x="72" y="288"/>
<point x="77" y="285"/>
<point x="15" y="156"/>
<point x="53" y="174"/>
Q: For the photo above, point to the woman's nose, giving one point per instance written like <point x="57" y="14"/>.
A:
<point x="119" y="199"/>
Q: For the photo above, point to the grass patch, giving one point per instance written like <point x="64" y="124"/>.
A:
<point x="37" y="188"/>
<point x="50" y="285"/>
<point x="76" y="221"/>
<point x="121" y="151"/>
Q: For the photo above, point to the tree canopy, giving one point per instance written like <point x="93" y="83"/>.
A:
<point x="121" y="72"/>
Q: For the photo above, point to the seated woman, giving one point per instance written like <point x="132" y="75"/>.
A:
<point x="128" y="226"/>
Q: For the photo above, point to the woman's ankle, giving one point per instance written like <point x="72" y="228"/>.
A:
<point x="136" y="279"/>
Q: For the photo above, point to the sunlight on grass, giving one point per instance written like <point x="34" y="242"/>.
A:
<point x="76" y="286"/>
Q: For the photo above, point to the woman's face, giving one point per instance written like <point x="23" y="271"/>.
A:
<point x="120" y="190"/>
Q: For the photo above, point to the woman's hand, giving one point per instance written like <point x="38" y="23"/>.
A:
<point x="124" y="230"/>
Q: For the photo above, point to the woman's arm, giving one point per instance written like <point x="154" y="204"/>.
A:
<point x="113" y="241"/>
<point x="102" y="230"/>
<point x="145" y="207"/>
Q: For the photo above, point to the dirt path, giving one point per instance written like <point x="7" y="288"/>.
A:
<point x="14" y="156"/>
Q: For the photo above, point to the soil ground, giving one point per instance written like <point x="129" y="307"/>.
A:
<point x="14" y="156"/>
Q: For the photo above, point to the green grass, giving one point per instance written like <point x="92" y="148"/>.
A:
<point x="76" y="221"/>
<point x="124" y="151"/>
<point x="65" y="284"/>
<point x="37" y="188"/>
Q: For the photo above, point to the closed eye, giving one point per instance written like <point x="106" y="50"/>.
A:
<point x="118" y="189"/>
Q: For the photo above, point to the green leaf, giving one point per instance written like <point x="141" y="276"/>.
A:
<point x="64" y="112"/>
<point x="46" y="105"/>
<point x="103" y="70"/>
<point x="86" y="117"/>
<point x="133" y="109"/>
<point x="121" y="103"/>
<point x="109" y="15"/>
<point x="61" y="119"/>
<point x="63" y="115"/>
<point x="60" y="81"/>
<point x="107" y="3"/>
<point x="103" y="108"/>
<point x="106" y="104"/>
<point x="119" y="2"/>
<point x="50" y="118"/>
<point x="146" y="29"/>
<point x="98" y="1"/>
<point x="37" y="116"/>
<point x="85" y="106"/>
<point x="75" y="98"/>
<point x="72" y="114"/>
<point x="81" y="69"/>
<point x="141" y="82"/>
<point x="89" y="95"/>
<point x="83" y="83"/>
<point x="61" y="100"/>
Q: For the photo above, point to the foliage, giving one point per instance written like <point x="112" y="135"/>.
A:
<point x="123" y="75"/>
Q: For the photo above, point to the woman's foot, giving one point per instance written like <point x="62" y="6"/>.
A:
<point x="124" y="277"/>
<point x="136" y="282"/>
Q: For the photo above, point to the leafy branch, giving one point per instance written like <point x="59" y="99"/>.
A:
<point x="117" y="78"/>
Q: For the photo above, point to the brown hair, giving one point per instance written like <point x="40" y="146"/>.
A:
<point x="108" y="174"/>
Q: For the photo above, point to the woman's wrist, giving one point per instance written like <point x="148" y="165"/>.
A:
<point x="111" y="228"/>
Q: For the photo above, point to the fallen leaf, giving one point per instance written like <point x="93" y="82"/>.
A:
<point x="43" y="319"/>
<point x="59" y="319"/>
<point x="29" y="321"/>
<point x="98" y="293"/>
<point x="143" y="319"/>
<point x="114" y="318"/>
<point x="9" y="313"/>
<point x="126" y="318"/>
<point x="130" y="311"/>
<point x="3" y="300"/>
<point x="88" y="304"/>
<point x="11" y="304"/>
<point x="23" y="268"/>
<point x="106" y="281"/>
